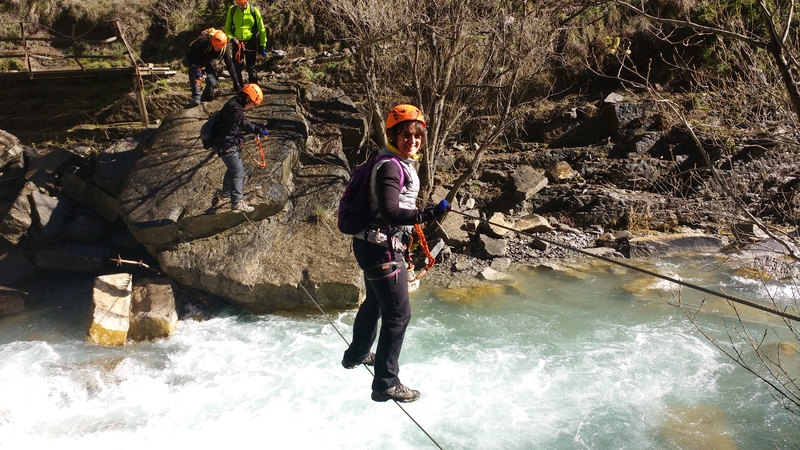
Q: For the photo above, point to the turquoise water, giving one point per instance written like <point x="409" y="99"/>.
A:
<point x="595" y="358"/>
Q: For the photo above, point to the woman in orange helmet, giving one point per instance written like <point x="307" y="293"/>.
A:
<point x="379" y="251"/>
<point x="229" y="134"/>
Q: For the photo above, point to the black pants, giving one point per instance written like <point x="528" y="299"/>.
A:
<point x="246" y="57"/>
<point x="387" y="299"/>
<point x="211" y="83"/>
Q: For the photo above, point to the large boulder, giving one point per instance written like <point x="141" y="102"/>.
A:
<point x="287" y="254"/>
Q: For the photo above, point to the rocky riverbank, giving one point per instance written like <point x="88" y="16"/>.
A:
<point x="611" y="183"/>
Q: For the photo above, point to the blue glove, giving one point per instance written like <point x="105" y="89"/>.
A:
<point x="264" y="132"/>
<point x="198" y="74"/>
<point x="441" y="208"/>
<point x="263" y="51"/>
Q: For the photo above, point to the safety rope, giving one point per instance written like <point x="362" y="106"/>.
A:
<point x="260" y="235"/>
<point x="263" y="163"/>
<point x="238" y="56"/>
<point x="430" y="260"/>
<point x="618" y="262"/>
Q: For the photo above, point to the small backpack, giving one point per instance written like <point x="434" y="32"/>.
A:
<point x="354" y="210"/>
<point x="208" y="32"/>
<point x="207" y="131"/>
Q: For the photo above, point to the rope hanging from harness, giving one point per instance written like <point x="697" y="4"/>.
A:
<point x="238" y="55"/>
<point x="263" y="163"/>
<point x="423" y="244"/>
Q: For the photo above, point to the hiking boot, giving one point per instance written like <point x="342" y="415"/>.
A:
<point x="369" y="360"/>
<point x="398" y="393"/>
<point x="242" y="206"/>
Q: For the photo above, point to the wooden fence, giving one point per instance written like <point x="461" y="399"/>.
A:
<point x="69" y="62"/>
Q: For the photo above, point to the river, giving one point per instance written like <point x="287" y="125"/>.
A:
<point x="590" y="359"/>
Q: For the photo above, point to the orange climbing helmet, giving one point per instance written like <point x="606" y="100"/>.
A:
<point x="254" y="92"/>
<point x="401" y="113"/>
<point x="219" y="39"/>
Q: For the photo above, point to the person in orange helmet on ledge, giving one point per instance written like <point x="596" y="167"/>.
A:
<point x="211" y="45"/>
<point x="379" y="252"/>
<point x="229" y="133"/>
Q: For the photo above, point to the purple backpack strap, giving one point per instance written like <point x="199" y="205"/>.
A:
<point x="399" y="166"/>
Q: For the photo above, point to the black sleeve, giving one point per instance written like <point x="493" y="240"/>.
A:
<point x="244" y="125"/>
<point x="195" y="56"/>
<point x="387" y="182"/>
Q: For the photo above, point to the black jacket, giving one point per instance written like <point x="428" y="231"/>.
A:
<point x="232" y="125"/>
<point x="201" y="53"/>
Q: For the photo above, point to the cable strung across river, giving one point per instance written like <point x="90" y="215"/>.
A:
<point x="618" y="262"/>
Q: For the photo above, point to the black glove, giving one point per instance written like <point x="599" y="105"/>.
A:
<point x="441" y="208"/>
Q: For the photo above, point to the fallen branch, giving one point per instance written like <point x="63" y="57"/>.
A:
<point x="139" y="263"/>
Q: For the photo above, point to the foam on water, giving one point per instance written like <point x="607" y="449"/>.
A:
<point x="554" y="362"/>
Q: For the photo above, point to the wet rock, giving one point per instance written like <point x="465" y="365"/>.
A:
<point x="12" y="301"/>
<point x="527" y="181"/>
<point x="491" y="247"/>
<point x="672" y="244"/>
<point x="462" y="264"/>
<point x="559" y="172"/>
<point x="533" y="223"/>
<point x="500" y="264"/>
<point x="697" y="427"/>
<point x="10" y="150"/>
<point x="112" y="308"/>
<point x="81" y="258"/>
<point x="115" y="162"/>
<point x="18" y="219"/>
<point x="51" y="212"/>
<point x="14" y="266"/>
<point x="86" y="228"/>
<point x="748" y="231"/>
<point x="539" y="244"/>
<point x="83" y="191"/>
<point x="498" y="225"/>
<point x="452" y="229"/>
<point x="490" y="274"/>
<point x="153" y="313"/>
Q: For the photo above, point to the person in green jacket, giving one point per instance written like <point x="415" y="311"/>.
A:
<point x="246" y="33"/>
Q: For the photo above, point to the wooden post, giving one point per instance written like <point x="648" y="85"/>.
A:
<point x="138" y="86"/>
<point x="25" y="49"/>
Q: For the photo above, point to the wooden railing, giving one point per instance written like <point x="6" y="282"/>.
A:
<point x="69" y="61"/>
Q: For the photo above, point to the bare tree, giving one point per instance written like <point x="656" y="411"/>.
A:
<point x="757" y="80"/>
<point x="469" y="64"/>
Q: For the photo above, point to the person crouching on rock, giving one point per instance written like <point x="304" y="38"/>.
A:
<point x="211" y="45"/>
<point x="379" y="252"/>
<point x="229" y="133"/>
